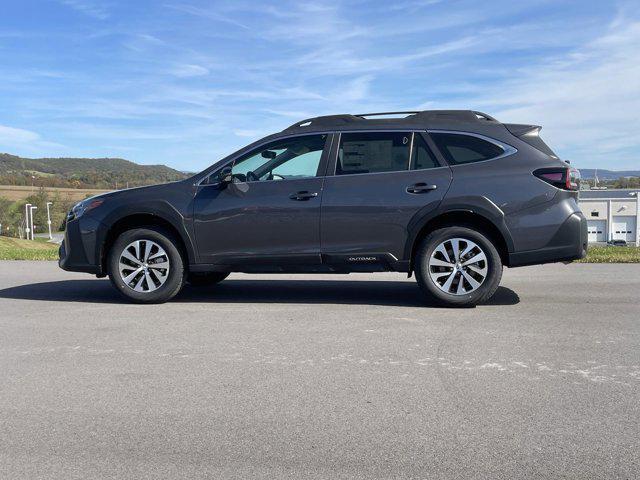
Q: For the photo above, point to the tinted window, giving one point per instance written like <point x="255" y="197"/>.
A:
<point x="460" y="148"/>
<point x="297" y="157"/>
<point x="373" y="152"/>
<point x="422" y="156"/>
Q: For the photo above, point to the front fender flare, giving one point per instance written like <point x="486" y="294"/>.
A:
<point x="162" y="210"/>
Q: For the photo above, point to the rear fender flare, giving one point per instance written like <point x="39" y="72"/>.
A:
<point x="472" y="206"/>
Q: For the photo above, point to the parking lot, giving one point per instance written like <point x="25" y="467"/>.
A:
<point x="343" y="376"/>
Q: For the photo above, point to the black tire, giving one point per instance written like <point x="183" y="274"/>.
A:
<point x="206" y="279"/>
<point x="175" y="274"/>
<point x="482" y="293"/>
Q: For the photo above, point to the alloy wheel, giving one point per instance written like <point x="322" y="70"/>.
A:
<point x="458" y="266"/>
<point x="144" y="266"/>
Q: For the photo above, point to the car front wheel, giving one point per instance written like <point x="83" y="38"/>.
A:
<point x="146" y="266"/>
<point x="458" y="266"/>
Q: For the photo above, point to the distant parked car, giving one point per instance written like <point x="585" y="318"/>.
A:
<point x="617" y="243"/>
<point x="451" y="196"/>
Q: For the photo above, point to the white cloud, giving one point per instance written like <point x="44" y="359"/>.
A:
<point x="336" y="61"/>
<point x="586" y="100"/>
<point x="10" y="135"/>
<point x="199" y="71"/>
<point x="103" y="132"/>
<point x="17" y="140"/>
<point x="144" y="42"/>
<point x="412" y="5"/>
<point x="93" y="9"/>
<point x="208" y="13"/>
<point x="248" y="133"/>
<point x="353" y="91"/>
<point x="189" y="70"/>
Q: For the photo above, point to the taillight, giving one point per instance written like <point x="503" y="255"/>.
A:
<point x="564" y="178"/>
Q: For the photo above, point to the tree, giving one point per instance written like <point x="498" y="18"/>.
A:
<point x="12" y="213"/>
<point x="12" y="218"/>
<point x="5" y="207"/>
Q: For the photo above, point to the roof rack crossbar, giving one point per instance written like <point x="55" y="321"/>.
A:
<point x="378" y="114"/>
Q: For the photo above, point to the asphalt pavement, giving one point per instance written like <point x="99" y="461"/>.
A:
<point x="320" y="377"/>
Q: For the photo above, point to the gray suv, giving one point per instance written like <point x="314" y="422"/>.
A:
<point x="450" y="195"/>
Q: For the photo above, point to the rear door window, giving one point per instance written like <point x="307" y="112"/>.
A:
<point x="373" y="152"/>
<point x="458" y="148"/>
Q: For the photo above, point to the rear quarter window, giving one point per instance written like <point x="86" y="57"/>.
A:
<point x="459" y="148"/>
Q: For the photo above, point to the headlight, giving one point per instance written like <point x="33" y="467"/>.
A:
<point x="82" y="207"/>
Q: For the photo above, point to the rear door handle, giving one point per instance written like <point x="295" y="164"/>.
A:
<point x="420" y="188"/>
<point x="304" y="195"/>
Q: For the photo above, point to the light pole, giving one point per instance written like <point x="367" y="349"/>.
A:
<point x="26" y="220"/>
<point x="49" y="219"/>
<point x="33" y="227"/>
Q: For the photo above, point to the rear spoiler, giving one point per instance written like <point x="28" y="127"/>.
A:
<point x="531" y="135"/>
<point x="519" y="130"/>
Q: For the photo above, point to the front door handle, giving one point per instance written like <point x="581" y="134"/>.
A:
<point x="304" y="195"/>
<point x="420" y="188"/>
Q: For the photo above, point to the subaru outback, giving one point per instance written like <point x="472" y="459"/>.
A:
<point x="451" y="196"/>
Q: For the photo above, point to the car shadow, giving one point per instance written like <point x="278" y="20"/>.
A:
<point x="353" y="292"/>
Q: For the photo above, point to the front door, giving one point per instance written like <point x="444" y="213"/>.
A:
<point x="382" y="181"/>
<point x="270" y="213"/>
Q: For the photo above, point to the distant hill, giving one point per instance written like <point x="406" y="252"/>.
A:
<point x="82" y="172"/>
<point x="588" y="174"/>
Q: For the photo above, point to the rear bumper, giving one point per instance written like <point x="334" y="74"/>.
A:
<point x="78" y="251"/>
<point x="568" y="244"/>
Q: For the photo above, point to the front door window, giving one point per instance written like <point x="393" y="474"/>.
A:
<point x="286" y="159"/>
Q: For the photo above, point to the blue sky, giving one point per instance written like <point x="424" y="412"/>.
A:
<point x="186" y="82"/>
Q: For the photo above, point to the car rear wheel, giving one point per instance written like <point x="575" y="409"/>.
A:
<point x="458" y="266"/>
<point x="206" y="279"/>
<point x="146" y="266"/>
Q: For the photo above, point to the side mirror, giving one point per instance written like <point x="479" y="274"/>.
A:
<point x="223" y="178"/>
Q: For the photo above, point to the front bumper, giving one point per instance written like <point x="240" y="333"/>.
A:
<point x="568" y="244"/>
<point x="79" y="251"/>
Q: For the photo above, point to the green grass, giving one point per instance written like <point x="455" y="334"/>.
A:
<point x="612" y="255"/>
<point x="16" y="249"/>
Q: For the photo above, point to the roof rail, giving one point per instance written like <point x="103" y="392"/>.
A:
<point x="328" y="120"/>
<point x="461" y="115"/>
<point x="412" y="116"/>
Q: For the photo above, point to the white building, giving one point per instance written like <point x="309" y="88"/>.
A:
<point x="611" y="215"/>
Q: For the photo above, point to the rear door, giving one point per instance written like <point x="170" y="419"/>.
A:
<point x="376" y="184"/>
